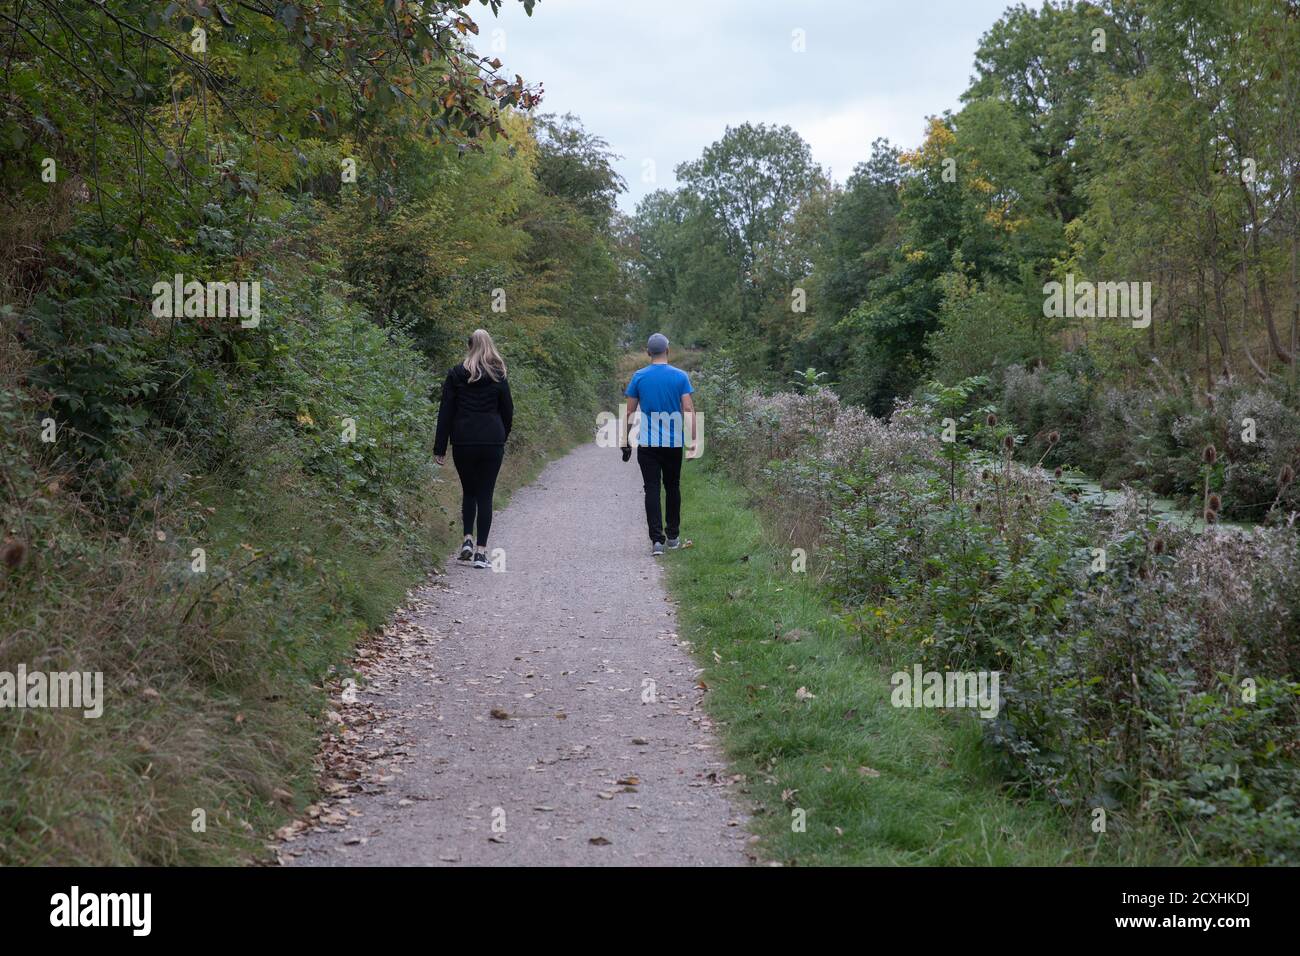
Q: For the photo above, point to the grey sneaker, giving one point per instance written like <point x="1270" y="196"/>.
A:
<point x="658" y="549"/>
<point x="674" y="544"/>
<point x="466" y="550"/>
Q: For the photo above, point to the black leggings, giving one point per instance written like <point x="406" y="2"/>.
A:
<point x="477" y="466"/>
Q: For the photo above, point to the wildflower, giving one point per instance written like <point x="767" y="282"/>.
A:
<point x="1211" y="454"/>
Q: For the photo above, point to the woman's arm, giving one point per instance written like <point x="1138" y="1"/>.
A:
<point x="507" y="406"/>
<point x="446" y="410"/>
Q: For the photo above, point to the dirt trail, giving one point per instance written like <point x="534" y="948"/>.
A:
<point x="576" y="625"/>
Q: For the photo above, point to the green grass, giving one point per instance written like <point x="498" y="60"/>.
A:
<point x="930" y="794"/>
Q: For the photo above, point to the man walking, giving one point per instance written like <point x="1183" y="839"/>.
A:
<point x="662" y="395"/>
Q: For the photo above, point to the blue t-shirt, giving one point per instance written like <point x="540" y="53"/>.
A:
<point x="658" y="390"/>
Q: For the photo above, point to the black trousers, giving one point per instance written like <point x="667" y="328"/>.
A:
<point x="662" y="465"/>
<point x="477" y="466"/>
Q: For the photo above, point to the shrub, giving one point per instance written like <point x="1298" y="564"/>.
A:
<point x="1118" y="691"/>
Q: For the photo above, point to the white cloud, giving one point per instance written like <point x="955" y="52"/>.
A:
<point x="664" y="80"/>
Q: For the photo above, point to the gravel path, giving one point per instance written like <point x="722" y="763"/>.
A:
<point x="546" y="715"/>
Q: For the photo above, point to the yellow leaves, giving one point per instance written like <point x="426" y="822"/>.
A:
<point x="1000" y="218"/>
<point x="939" y="134"/>
<point x="914" y="255"/>
<point x="938" y="144"/>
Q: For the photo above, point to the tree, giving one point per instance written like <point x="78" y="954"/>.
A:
<point x="751" y="180"/>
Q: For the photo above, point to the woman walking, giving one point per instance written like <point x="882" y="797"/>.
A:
<point x="476" y="414"/>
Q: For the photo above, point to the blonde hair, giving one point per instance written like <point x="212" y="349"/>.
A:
<point x="483" y="358"/>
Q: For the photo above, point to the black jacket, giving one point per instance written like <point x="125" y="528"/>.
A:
<point x="473" y="413"/>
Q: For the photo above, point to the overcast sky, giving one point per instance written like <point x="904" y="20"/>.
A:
<point x="662" y="79"/>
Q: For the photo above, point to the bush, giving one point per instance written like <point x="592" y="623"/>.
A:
<point x="1118" y="692"/>
<point x="979" y="328"/>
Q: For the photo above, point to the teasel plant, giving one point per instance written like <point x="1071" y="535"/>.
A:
<point x="1053" y="439"/>
<point x="1210" y="504"/>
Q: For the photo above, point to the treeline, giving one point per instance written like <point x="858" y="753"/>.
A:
<point x="1138" y="142"/>
<point x="209" y="499"/>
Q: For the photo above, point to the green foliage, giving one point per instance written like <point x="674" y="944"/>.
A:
<point x="1157" y="435"/>
<point x="1117" y="691"/>
<point x="980" y="328"/>
<point x="196" y="432"/>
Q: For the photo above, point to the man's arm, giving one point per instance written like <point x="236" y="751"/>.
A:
<point x="688" y="413"/>
<point x="632" y="405"/>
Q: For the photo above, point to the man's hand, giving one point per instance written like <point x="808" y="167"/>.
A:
<point x="627" y="452"/>
<point x="440" y="459"/>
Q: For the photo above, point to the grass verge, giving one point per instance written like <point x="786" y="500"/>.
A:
<point x="879" y="785"/>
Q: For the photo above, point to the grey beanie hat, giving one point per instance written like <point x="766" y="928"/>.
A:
<point x="657" y="344"/>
